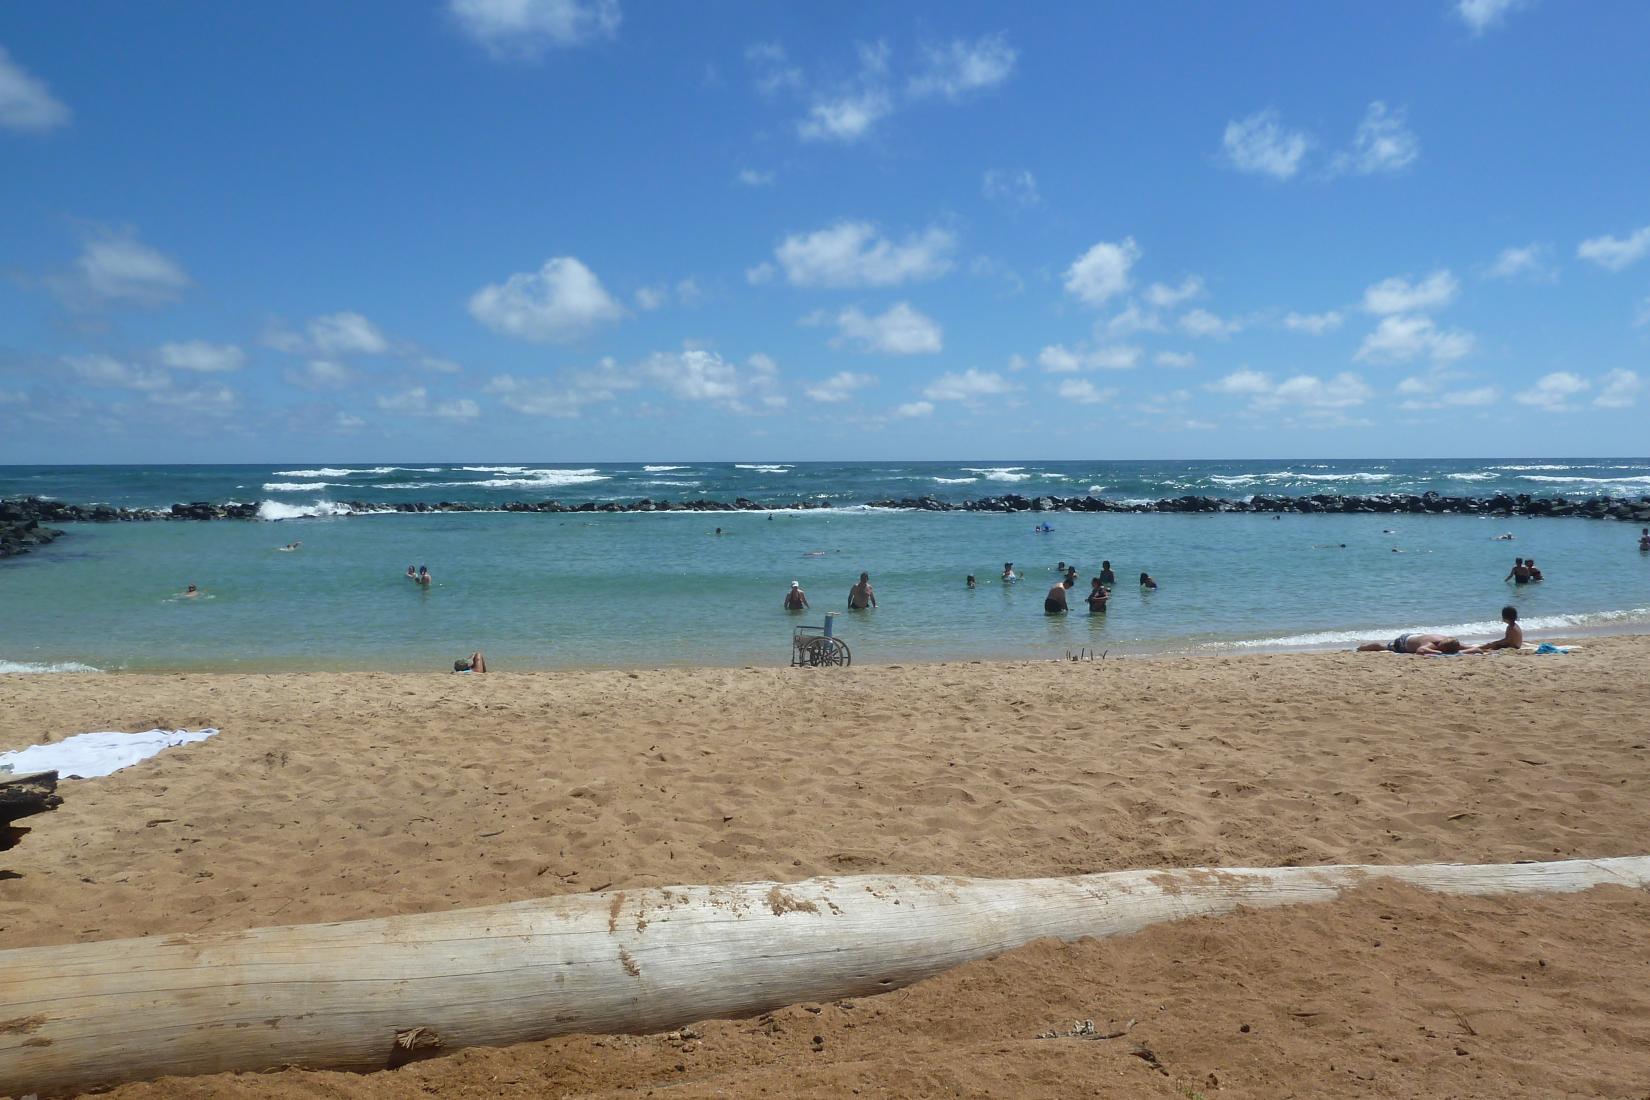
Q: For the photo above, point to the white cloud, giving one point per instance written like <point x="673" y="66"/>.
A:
<point x="694" y="374"/>
<point x="970" y="385"/>
<point x="1175" y="359"/>
<point x="525" y="28"/>
<point x="25" y="102"/>
<point x="1481" y="15"/>
<point x="1382" y="144"/>
<point x="845" y="118"/>
<point x="1259" y="144"/>
<point x="1133" y="319"/>
<point x="1618" y="390"/>
<point x="1616" y="253"/>
<point x="13" y="397"/>
<point x="320" y="374"/>
<point x="558" y="303"/>
<point x="198" y="355"/>
<point x="1243" y="382"/>
<point x="1084" y="392"/>
<point x="1527" y="262"/>
<point x="214" y="401"/>
<point x="347" y="333"/>
<point x="773" y="70"/>
<point x="1315" y="323"/>
<point x="1013" y="188"/>
<point x="1202" y="323"/>
<point x="416" y="402"/>
<point x="1059" y="359"/>
<point x="1399" y="295"/>
<point x="1322" y="402"/>
<point x="1102" y="272"/>
<point x="840" y="387"/>
<point x="760" y="273"/>
<point x="651" y="297"/>
<point x="1641" y="316"/>
<point x="1343" y="391"/>
<point x="960" y="67"/>
<point x="1403" y="337"/>
<point x="347" y="422"/>
<point x="1552" y="392"/>
<point x="566" y="398"/>
<point x="105" y="371"/>
<point x="900" y="331"/>
<point x="750" y="177"/>
<point x="1162" y="296"/>
<point x="1423" y="394"/>
<point x="117" y="267"/>
<point x="913" y="409"/>
<point x="855" y="254"/>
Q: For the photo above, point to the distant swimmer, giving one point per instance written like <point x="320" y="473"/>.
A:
<point x="1644" y="540"/>
<point x="1507" y="537"/>
<point x="1043" y="528"/>
<point x="813" y="553"/>
<point x="1512" y="639"/>
<point x="1520" y="573"/>
<point x="475" y="662"/>
<point x="1055" y="602"/>
<point x="424" y="577"/>
<point x="1107" y="577"/>
<point x="1147" y="583"/>
<point x="1009" y="576"/>
<point x="412" y="574"/>
<point x="1097" y="597"/>
<point x="1423" y="645"/>
<point x="718" y="532"/>
<point x="796" y="599"/>
<point x="860" y="596"/>
<point x="289" y="547"/>
<point x="189" y="593"/>
<point x="971" y="582"/>
<point x="1535" y="574"/>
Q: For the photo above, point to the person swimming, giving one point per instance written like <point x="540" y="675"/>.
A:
<point x="189" y="593"/>
<point x="1009" y="576"/>
<point x="412" y="574"/>
<point x="424" y="577"/>
<point x="970" y="581"/>
<point x="1146" y="582"/>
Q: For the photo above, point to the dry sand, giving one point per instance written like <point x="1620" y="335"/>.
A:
<point x="336" y="796"/>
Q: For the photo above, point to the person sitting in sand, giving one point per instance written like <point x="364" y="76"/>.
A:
<point x="1055" y="602"/>
<point x="1512" y="639"/>
<point x="1424" y="645"/>
<point x="475" y="662"/>
<point x="424" y="577"/>
<point x="796" y="599"/>
<point x="1009" y="576"/>
<point x="1520" y="573"/>
<point x="1535" y="574"/>
<point x="1147" y="583"/>
<point x="1097" y="597"/>
<point x="860" y="596"/>
<point x="1107" y="577"/>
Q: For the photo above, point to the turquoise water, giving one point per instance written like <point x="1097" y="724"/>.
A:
<point x="655" y="589"/>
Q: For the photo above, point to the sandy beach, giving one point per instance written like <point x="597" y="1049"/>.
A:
<point x="337" y="796"/>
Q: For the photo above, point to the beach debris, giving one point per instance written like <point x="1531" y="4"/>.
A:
<point x="1085" y="1029"/>
<point x="23" y="794"/>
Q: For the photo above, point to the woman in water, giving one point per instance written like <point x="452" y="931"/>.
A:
<point x="1097" y="597"/>
<point x="1146" y="581"/>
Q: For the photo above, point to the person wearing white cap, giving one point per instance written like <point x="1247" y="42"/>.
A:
<point x="796" y="599"/>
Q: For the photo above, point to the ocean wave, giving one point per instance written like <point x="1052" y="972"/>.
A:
<point x="763" y="467"/>
<point x="1550" y="479"/>
<point x="494" y="469"/>
<point x="274" y="509"/>
<point x="1358" y="476"/>
<point x="1538" y="466"/>
<point x="1471" y="477"/>
<point x="1486" y="627"/>
<point x="663" y="469"/>
<point x="667" y="481"/>
<point x="948" y="480"/>
<point x="324" y="471"/>
<point x="1234" y="479"/>
<point x="12" y="667"/>
<point x="339" y="471"/>
<point x="1097" y="488"/>
<point x="1000" y="473"/>
<point x="297" y="486"/>
<point x="542" y="479"/>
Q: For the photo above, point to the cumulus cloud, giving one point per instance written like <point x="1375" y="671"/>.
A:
<point x="1618" y="389"/>
<point x="416" y="402"/>
<point x="901" y="330"/>
<point x="204" y="401"/>
<point x="1243" y="382"/>
<point x="969" y="385"/>
<point x="1426" y="393"/>
<point x="1175" y="359"/>
<point x="1552" y="392"/>
<point x="1163" y="296"/>
<point x="320" y="374"/>
<point x="198" y="355"/>
<point x="1261" y="145"/>
<point x="26" y="104"/>
<point x="1131" y="320"/>
<point x="1383" y="144"/>
<point x="1320" y="399"/>
<point x="771" y="68"/>
<point x="1084" y="392"/>
<point x="750" y="177"/>
<point x="913" y="409"/>
<point x="564" y="398"/>
<point x="526" y="28"/>
<point x="1314" y="323"/>
<point x="1399" y="295"/>
<point x="855" y="254"/>
<point x="1102" y="272"/>
<point x="1481" y="15"/>
<point x="1403" y="337"/>
<point x="1015" y="189"/>
<point x="1202" y="323"/>
<point x="840" y="387"/>
<point x="1616" y="253"/>
<point x="560" y="302"/>
<point x="1528" y="262"/>
<point x="1059" y="359"/>
<point x="347" y="334"/>
<point x="960" y="67"/>
<point x="107" y="372"/>
<point x="845" y="118"/>
<point x="114" y="267"/>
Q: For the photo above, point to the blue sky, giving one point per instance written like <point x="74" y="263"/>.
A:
<point x="553" y="230"/>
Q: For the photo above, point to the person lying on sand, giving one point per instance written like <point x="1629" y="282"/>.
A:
<point x="1423" y="645"/>
<point x="1512" y="639"/>
<point x="475" y="662"/>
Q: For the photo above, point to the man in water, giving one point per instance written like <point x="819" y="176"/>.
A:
<point x="191" y="592"/>
<point x="971" y="580"/>
<point x="1520" y="573"/>
<point x="1097" y="597"/>
<point x="1512" y="639"/>
<point x="1535" y="574"/>
<point x="796" y="599"/>
<point x="860" y="595"/>
<point x="1644" y="539"/>
<point x="1424" y="645"/>
<point x="1107" y="577"/>
<point x="424" y="577"/>
<point x="1055" y="602"/>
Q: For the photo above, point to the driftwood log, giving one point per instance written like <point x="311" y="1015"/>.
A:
<point x="22" y="795"/>
<point x="366" y="994"/>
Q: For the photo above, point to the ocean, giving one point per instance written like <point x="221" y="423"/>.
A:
<point x="643" y="589"/>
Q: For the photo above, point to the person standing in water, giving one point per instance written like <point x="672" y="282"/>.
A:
<point x="860" y="596"/>
<point x="424" y="577"/>
<point x="1097" y="597"/>
<point x="1644" y="540"/>
<point x="1147" y="583"/>
<point x="1055" y="602"/>
<point x="1520" y="573"/>
<point x="1009" y="576"/>
<point x="412" y="574"/>
<point x="1107" y="577"/>
<point x="796" y="599"/>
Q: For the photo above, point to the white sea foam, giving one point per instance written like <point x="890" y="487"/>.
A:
<point x="1097" y="488"/>
<point x="542" y="479"/>
<point x="1471" y="477"/>
<point x="663" y="469"/>
<point x="274" y="509"/>
<point x="339" y="471"/>
<point x="1641" y="479"/>
<point x="1360" y="475"/>
<point x="1235" y="479"/>
<point x="21" y="667"/>
<point x="1485" y="628"/>
<point x="1535" y="467"/>
<point x="763" y="467"/>
<point x="949" y="480"/>
<point x="1000" y="473"/>
<point x="678" y="483"/>
<point x="494" y="469"/>
<point x="324" y="471"/>
<point x="296" y="486"/>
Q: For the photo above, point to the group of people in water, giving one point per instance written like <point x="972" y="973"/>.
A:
<point x="421" y="576"/>
<point x="1524" y="571"/>
<point x="862" y="596"/>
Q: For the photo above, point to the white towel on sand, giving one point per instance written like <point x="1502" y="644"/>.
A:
<point x="89" y="755"/>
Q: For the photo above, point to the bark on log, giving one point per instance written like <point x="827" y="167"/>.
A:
<point x="345" y="996"/>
